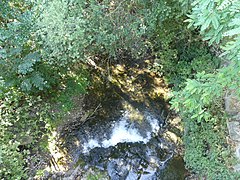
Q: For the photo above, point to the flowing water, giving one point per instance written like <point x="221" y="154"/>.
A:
<point x="125" y="138"/>
<point x="128" y="146"/>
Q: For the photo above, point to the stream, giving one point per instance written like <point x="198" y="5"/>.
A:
<point x="125" y="139"/>
<point x="128" y="146"/>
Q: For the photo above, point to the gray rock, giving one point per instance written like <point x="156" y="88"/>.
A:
<point x="236" y="117"/>
<point x="112" y="172"/>
<point x="234" y="130"/>
<point x="237" y="168"/>
<point x="232" y="104"/>
<point x="46" y="175"/>
<point x="54" y="176"/>
<point x="132" y="176"/>
<point x="149" y="174"/>
<point x="238" y="151"/>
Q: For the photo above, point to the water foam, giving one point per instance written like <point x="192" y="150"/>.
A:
<point x="124" y="131"/>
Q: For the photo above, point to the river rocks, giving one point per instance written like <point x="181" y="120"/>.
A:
<point x="118" y="169"/>
<point x="126" y="146"/>
<point x="126" y="128"/>
<point x="125" y="139"/>
<point x="121" y="169"/>
<point x="83" y="174"/>
<point x="130" y="161"/>
<point x="74" y="174"/>
<point x="46" y="175"/>
<point x="131" y="175"/>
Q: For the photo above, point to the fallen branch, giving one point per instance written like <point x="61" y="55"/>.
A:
<point x="88" y="115"/>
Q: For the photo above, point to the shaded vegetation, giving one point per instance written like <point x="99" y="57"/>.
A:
<point x="49" y="49"/>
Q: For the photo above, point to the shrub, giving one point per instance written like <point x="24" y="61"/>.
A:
<point x="206" y="150"/>
<point x="11" y="161"/>
<point x="23" y="122"/>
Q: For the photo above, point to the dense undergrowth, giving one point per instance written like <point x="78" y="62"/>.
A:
<point x="200" y="101"/>
<point x="207" y="152"/>
<point x="28" y="119"/>
<point x="46" y="49"/>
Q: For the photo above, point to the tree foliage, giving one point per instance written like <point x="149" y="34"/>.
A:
<point x="42" y="40"/>
<point x="200" y="101"/>
<point x="20" y="57"/>
<point x="219" y="23"/>
<point x="208" y="87"/>
<point x="44" y="45"/>
<point x="73" y="31"/>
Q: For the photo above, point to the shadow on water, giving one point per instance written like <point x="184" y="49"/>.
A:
<point x="128" y="136"/>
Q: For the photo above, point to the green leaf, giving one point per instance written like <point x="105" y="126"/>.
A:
<point x="206" y="24"/>
<point x="232" y="32"/>
<point x="25" y="67"/>
<point x="35" y="56"/>
<point x="3" y="53"/>
<point x="215" y="22"/>
<point x="38" y="81"/>
<point x="26" y="85"/>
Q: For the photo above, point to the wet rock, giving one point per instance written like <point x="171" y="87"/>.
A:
<point x="112" y="172"/>
<point x="124" y="148"/>
<point x="46" y="175"/>
<point x="54" y="177"/>
<point x="149" y="173"/>
<point x="131" y="160"/>
<point x="171" y="136"/>
<point x="100" y="166"/>
<point x="68" y="173"/>
<point x="73" y="174"/>
<point x="118" y="169"/>
<point x="132" y="176"/>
